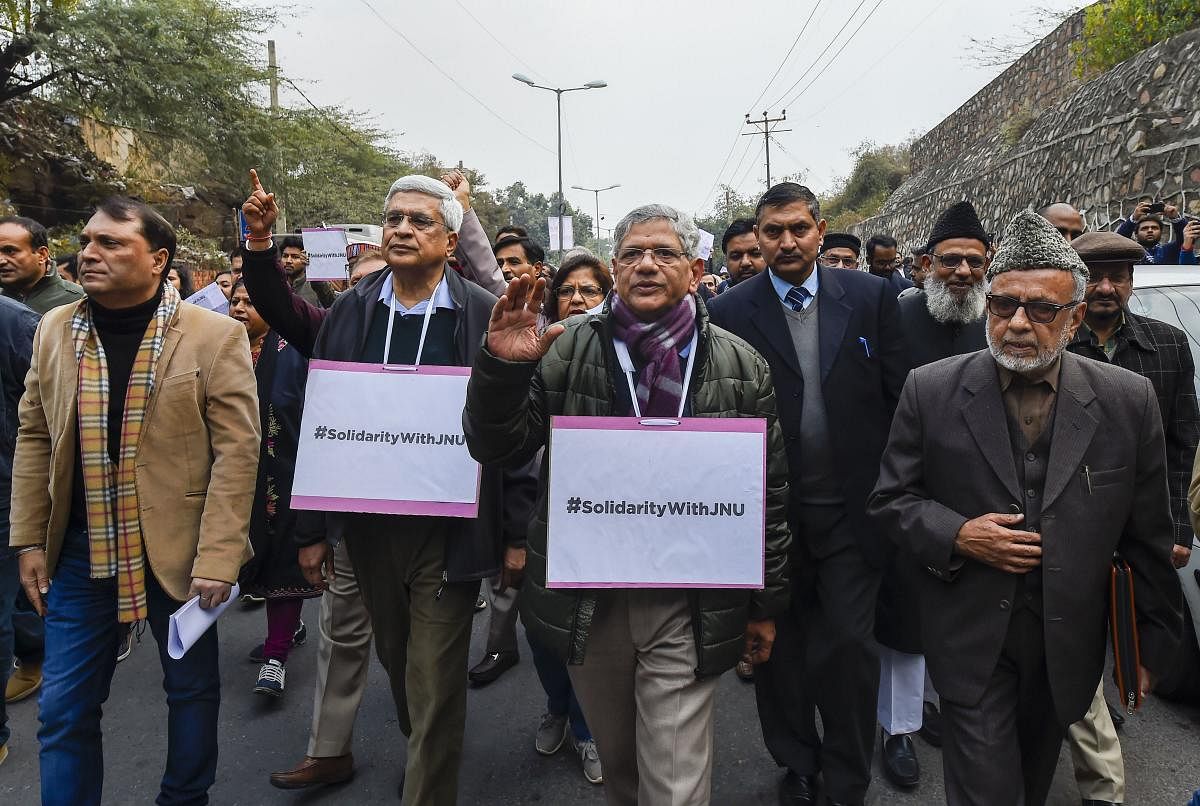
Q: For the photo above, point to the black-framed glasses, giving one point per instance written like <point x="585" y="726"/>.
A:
<point x="1042" y="313"/>
<point x="586" y="291"/>
<point x="419" y="221"/>
<point x="833" y="262"/>
<point x="661" y="254"/>
<point x="952" y="260"/>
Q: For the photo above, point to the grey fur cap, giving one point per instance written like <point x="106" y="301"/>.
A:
<point x="1031" y="243"/>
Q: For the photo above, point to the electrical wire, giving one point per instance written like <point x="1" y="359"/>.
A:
<point x="333" y="123"/>
<point x="721" y="170"/>
<point x="786" y="56"/>
<point x="505" y="47"/>
<point x="833" y="59"/>
<point x="453" y="80"/>
<point x="824" y="50"/>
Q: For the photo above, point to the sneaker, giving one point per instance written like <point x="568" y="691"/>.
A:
<point x="270" y="679"/>
<point x="24" y="682"/>
<point x="590" y="759"/>
<point x="551" y="734"/>
<point x="125" y="643"/>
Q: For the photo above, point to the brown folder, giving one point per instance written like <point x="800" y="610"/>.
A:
<point x="1122" y="620"/>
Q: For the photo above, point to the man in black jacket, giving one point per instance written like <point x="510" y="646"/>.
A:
<point x="943" y="319"/>
<point x="419" y="576"/>
<point x="837" y="355"/>
<point x="1013" y="474"/>
<point x="1155" y="350"/>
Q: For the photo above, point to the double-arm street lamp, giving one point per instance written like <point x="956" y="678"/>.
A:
<point x="597" y="191"/>
<point x="558" y="94"/>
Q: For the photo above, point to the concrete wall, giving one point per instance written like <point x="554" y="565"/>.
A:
<point x="1131" y="133"/>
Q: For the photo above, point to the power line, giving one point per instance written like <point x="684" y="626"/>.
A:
<point x="453" y="80"/>
<point x="721" y="171"/>
<point x="505" y="47"/>
<point x="825" y="50"/>
<point x="787" y="55"/>
<point x="742" y="159"/>
<point x="325" y="116"/>
<point x="829" y="63"/>
<point x="899" y="41"/>
<point x="749" y="169"/>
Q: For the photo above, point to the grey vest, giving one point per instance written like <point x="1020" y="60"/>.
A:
<point x="817" y="484"/>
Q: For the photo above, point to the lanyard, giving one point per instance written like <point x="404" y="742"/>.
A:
<point x="387" y="345"/>
<point x="627" y="366"/>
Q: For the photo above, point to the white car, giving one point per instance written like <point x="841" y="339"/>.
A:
<point x="1171" y="294"/>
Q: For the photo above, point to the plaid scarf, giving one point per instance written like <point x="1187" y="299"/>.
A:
<point x="114" y="528"/>
<point x="657" y="343"/>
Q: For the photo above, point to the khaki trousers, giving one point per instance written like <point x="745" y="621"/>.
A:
<point x="343" y="656"/>
<point x="422" y="635"/>
<point x="1096" y="753"/>
<point x="652" y="718"/>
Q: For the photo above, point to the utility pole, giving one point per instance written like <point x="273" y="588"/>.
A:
<point x="273" y="73"/>
<point x="766" y="131"/>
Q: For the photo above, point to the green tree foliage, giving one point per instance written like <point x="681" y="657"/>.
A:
<point x="179" y="69"/>
<point x="877" y="171"/>
<point x="516" y="205"/>
<point x="1117" y="30"/>
<point x="730" y="205"/>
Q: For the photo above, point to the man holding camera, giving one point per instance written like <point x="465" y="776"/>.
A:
<point x="1145" y="226"/>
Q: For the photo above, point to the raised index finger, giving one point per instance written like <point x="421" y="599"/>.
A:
<point x="255" y="185"/>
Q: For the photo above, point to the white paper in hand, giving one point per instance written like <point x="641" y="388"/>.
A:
<point x="191" y="621"/>
<point x="211" y="298"/>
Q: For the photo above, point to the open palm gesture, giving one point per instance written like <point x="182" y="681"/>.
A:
<point x="513" y="329"/>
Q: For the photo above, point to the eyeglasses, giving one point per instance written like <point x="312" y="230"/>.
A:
<point x="1042" y="313"/>
<point x="586" y="291"/>
<point x="661" y="254"/>
<point x="952" y="260"/>
<point x="832" y="262"/>
<point x="419" y="222"/>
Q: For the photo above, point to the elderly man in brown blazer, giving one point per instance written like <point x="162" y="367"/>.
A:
<point x="1014" y="474"/>
<point x="132" y="484"/>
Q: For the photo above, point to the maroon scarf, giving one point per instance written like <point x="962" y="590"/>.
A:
<point x="657" y="345"/>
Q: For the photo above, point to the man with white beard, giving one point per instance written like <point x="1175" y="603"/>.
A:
<point x="944" y="319"/>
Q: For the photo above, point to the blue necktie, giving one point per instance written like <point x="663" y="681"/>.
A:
<point x="797" y="297"/>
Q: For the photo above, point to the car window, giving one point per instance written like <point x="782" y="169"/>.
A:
<point x="1175" y="305"/>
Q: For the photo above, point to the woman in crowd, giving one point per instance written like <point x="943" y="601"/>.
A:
<point x="274" y="572"/>
<point x="579" y="285"/>
<point x="181" y="277"/>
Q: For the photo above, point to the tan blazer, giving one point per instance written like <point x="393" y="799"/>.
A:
<point x="197" y="458"/>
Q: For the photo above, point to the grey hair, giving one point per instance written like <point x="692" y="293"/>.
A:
<point x="452" y="211"/>
<point x="1080" y="276"/>
<point x="681" y="222"/>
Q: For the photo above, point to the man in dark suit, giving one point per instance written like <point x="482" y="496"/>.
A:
<point x="833" y="341"/>
<point x="1014" y="474"/>
<point x="1159" y="352"/>
<point x="943" y="319"/>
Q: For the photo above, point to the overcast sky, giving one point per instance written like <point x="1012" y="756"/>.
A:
<point x="680" y="79"/>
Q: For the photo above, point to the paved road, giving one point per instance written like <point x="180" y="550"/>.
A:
<point x="1162" y="744"/>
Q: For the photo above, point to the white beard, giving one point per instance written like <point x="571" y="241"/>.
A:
<point x="1041" y="361"/>
<point x="946" y="308"/>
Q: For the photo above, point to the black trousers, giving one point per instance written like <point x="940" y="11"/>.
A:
<point x="1003" y="750"/>
<point x="824" y="660"/>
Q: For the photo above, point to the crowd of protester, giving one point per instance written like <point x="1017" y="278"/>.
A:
<point x="961" y="433"/>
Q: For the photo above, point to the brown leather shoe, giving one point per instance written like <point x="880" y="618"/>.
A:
<point x="316" y="772"/>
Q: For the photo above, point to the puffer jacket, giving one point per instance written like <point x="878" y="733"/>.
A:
<point x="507" y="419"/>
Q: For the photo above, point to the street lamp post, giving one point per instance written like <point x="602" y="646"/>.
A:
<point x="558" y="94"/>
<point x="597" y="191"/>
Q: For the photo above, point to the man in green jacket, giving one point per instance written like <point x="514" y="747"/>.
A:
<point x="644" y="662"/>
<point x="26" y="273"/>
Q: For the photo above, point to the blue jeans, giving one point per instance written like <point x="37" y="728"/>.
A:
<point x="560" y="696"/>
<point x="10" y="583"/>
<point x="81" y="654"/>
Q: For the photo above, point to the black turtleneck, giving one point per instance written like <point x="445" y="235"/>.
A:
<point x="121" y="332"/>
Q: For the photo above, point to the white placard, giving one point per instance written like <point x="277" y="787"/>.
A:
<point x="211" y="298"/>
<point x="676" y="506"/>
<point x="706" y="244"/>
<point x="326" y="249"/>
<point x="568" y="234"/>
<point x="385" y="440"/>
